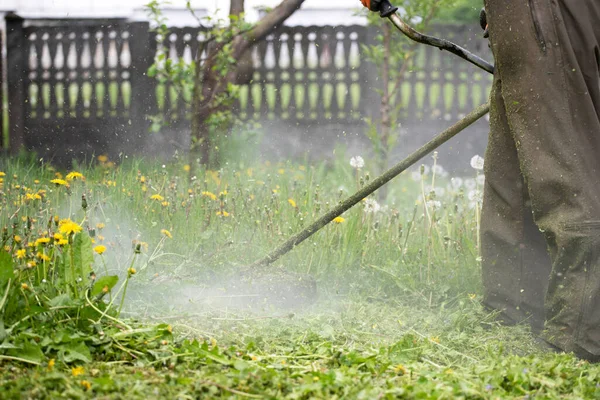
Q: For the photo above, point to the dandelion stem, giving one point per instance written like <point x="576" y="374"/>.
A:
<point x="372" y="186"/>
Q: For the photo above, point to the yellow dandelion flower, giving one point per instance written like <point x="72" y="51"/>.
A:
<point x="100" y="238"/>
<point x="24" y="286"/>
<point x="40" y="241"/>
<point x="2" y="173"/>
<point x="166" y="233"/>
<point x="210" y="195"/>
<point x="338" y="220"/>
<point x="76" y="371"/>
<point x="164" y="203"/>
<point x="142" y="179"/>
<point x="131" y="271"/>
<point x="71" y="176"/>
<point x="31" y="264"/>
<point x="51" y="364"/>
<point x="157" y="197"/>
<point x="66" y="227"/>
<point x="187" y="168"/>
<point x="103" y="158"/>
<point x="59" y="182"/>
<point x="100" y="249"/>
<point x="105" y="289"/>
<point x="17" y="239"/>
<point x="400" y="369"/>
<point x="223" y="213"/>
<point x="21" y="253"/>
<point x="281" y="171"/>
<point x="42" y="256"/>
<point x="62" y="242"/>
<point x="292" y="203"/>
<point x="223" y="193"/>
<point x="472" y="296"/>
<point x="58" y="236"/>
<point x="100" y="225"/>
<point x="86" y="384"/>
<point x="144" y="188"/>
<point x="36" y="181"/>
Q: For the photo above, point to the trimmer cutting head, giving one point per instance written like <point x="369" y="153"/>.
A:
<point x="384" y="7"/>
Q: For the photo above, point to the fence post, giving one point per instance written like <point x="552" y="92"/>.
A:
<point x="143" y="88"/>
<point x="15" y="67"/>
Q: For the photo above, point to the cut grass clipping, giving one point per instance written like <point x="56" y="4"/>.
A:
<point x="120" y="281"/>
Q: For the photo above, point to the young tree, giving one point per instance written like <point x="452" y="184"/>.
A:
<point x="213" y="91"/>
<point x="392" y="54"/>
<point x="213" y="81"/>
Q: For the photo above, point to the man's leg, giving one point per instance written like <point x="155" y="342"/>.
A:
<point x="543" y="50"/>
<point x="516" y="264"/>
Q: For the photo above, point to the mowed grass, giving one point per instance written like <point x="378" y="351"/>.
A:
<point x="398" y="314"/>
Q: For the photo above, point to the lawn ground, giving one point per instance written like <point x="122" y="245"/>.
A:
<point x="109" y="300"/>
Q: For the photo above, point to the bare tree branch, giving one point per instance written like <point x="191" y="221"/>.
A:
<point x="272" y="20"/>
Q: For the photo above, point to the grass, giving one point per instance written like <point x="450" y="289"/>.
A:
<point x="398" y="314"/>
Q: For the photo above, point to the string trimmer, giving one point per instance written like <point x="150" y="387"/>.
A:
<point x="305" y="285"/>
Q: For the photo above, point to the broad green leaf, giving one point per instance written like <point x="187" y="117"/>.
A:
<point x="83" y="255"/>
<point x="6" y="267"/>
<point x="61" y="301"/>
<point x="76" y="352"/>
<point x="106" y="281"/>
<point x="3" y="333"/>
<point x="28" y="351"/>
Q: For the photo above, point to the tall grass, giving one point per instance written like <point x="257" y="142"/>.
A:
<point x="422" y="240"/>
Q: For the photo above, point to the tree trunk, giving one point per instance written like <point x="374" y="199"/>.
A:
<point x="236" y="7"/>
<point x="210" y="84"/>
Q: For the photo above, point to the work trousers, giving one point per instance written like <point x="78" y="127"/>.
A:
<point x="540" y="229"/>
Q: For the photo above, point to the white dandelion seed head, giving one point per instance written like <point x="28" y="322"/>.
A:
<point x="357" y="162"/>
<point x="439" y="170"/>
<point x="372" y="206"/>
<point x="435" y="204"/>
<point x="456" y="183"/>
<point x="477" y="162"/>
<point x="475" y="195"/>
<point x="470" y="184"/>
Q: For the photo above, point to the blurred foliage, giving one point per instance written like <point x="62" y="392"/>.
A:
<point x="460" y="11"/>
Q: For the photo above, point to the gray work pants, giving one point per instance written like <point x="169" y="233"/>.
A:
<point x="540" y="228"/>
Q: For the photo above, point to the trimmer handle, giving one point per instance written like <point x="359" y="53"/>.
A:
<point x="384" y="7"/>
